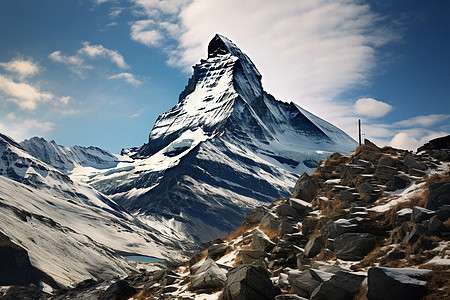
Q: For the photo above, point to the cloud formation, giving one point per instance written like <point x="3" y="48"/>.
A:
<point x="77" y="64"/>
<point x="24" y="68"/>
<point x="372" y="108"/>
<point x="22" y="129"/>
<point x="128" y="77"/>
<point x="423" y="121"/>
<point x="23" y="94"/>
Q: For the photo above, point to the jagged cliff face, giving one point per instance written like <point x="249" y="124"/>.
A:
<point x="226" y="147"/>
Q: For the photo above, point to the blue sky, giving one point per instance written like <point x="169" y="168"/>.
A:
<point x="99" y="72"/>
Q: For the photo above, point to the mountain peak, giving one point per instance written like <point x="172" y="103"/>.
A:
<point x="220" y="45"/>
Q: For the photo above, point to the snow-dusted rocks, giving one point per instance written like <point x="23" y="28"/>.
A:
<point x="396" y="283"/>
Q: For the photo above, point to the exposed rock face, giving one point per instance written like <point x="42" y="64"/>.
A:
<point x="394" y="284"/>
<point x="439" y="195"/>
<point x="354" y="246"/>
<point x="305" y="188"/>
<point x="15" y="265"/>
<point x="117" y="291"/>
<point x="249" y="282"/>
<point x="209" y="276"/>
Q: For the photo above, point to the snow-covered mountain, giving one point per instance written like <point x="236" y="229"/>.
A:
<point x="70" y="231"/>
<point x="226" y="147"/>
<point x="66" y="159"/>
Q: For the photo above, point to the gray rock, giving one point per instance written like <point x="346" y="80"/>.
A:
<point x="441" y="155"/>
<point x="261" y="242"/>
<point x="305" y="188"/>
<point x="208" y="276"/>
<point x="300" y="205"/>
<point x="118" y="290"/>
<point x="414" y="234"/>
<point x="386" y="161"/>
<point x="217" y="250"/>
<point x="270" y="222"/>
<point x="416" y="172"/>
<point x="284" y="210"/>
<point x="303" y="282"/>
<point x="340" y="286"/>
<point x="411" y="163"/>
<point x="342" y="226"/>
<point x="286" y="228"/>
<point x="434" y="225"/>
<point x="385" y="173"/>
<point x="253" y="257"/>
<point x="420" y="214"/>
<point x="439" y="195"/>
<point x="255" y="216"/>
<point x="354" y="246"/>
<point x="443" y="213"/>
<point x="395" y="284"/>
<point x="249" y="282"/>
<point x="346" y="196"/>
<point x="314" y="245"/>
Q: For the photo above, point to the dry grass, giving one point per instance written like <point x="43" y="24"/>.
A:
<point x="240" y="231"/>
<point x="438" y="282"/>
<point x="238" y="260"/>
<point x="374" y="256"/>
<point x="362" y="293"/>
<point x="270" y="233"/>
<point x="333" y="208"/>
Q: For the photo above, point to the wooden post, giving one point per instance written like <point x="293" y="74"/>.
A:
<point x="359" y="131"/>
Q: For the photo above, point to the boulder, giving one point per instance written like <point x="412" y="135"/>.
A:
<point x="305" y="188"/>
<point x="436" y="144"/>
<point x="354" y="246"/>
<point x="434" y="225"/>
<point x="255" y="216"/>
<point x="441" y="155"/>
<point x="253" y="257"/>
<point x="346" y="196"/>
<point x="386" y="161"/>
<point x="340" y="286"/>
<point x="300" y="205"/>
<point x="439" y="195"/>
<point x="420" y="214"/>
<point x="285" y="211"/>
<point x="249" y="282"/>
<point x="217" y="250"/>
<point x="286" y="228"/>
<point x="270" y="222"/>
<point x="385" y="173"/>
<point x="119" y="290"/>
<point x="260" y="241"/>
<point x="303" y="282"/>
<point x="314" y="245"/>
<point x="443" y="213"/>
<point x="342" y="226"/>
<point x="416" y="172"/>
<point x="208" y="276"/>
<point x="396" y="283"/>
<point x="411" y="163"/>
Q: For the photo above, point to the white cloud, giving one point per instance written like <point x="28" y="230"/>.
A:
<point x="372" y="108"/>
<point x="95" y="51"/>
<point x="76" y="63"/>
<point x="65" y="100"/>
<point x="24" y="68"/>
<point x="22" y="129"/>
<point x="23" y="94"/>
<point x="128" y="77"/>
<point x="413" y="139"/>
<point x="143" y="31"/>
<point x="423" y="121"/>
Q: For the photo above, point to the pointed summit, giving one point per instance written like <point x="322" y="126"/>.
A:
<point x="219" y="45"/>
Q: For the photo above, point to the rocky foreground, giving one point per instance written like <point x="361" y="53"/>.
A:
<point x="370" y="225"/>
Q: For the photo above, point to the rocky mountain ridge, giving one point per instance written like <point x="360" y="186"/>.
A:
<point x="333" y="238"/>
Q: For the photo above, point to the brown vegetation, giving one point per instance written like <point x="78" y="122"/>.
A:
<point x="438" y="282"/>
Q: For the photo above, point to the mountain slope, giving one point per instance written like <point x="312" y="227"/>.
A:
<point x="226" y="147"/>
<point x="70" y="231"/>
<point x="66" y="159"/>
